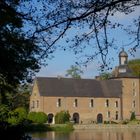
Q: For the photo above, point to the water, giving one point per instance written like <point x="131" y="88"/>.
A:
<point x="89" y="135"/>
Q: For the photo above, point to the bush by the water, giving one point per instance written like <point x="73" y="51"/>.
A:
<point x="37" y="117"/>
<point x="62" y="117"/>
<point x="17" y="116"/>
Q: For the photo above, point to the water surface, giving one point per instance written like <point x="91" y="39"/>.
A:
<point x="89" y="135"/>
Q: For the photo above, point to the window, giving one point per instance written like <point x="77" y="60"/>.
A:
<point x="108" y="114"/>
<point x="116" y="103"/>
<point x="75" y="103"/>
<point x="59" y="102"/>
<point x="116" y="115"/>
<point x="133" y="104"/>
<point x="134" y="92"/>
<point x="134" y="84"/>
<point x="37" y="104"/>
<point x="91" y="103"/>
<point x="33" y="104"/>
<point x="107" y="103"/>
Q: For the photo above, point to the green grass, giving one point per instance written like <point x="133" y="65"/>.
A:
<point x="45" y="127"/>
<point x="62" y="127"/>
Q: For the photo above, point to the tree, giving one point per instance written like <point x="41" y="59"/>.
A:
<point x="62" y="117"/>
<point x="19" y="54"/>
<point x="105" y="75"/>
<point x="20" y="98"/>
<point x="38" y="117"/>
<point x="134" y="65"/>
<point x="74" y="72"/>
<point x="88" y="21"/>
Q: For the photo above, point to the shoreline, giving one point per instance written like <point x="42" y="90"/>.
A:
<point x="105" y="126"/>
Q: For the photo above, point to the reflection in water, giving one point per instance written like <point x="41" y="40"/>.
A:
<point x="89" y="135"/>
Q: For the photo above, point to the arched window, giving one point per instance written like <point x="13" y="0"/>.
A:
<point x="50" y="118"/>
<point x="99" y="118"/>
<point x="76" y="117"/>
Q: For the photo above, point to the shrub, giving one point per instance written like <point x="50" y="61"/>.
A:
<point x="17" y="116"/>
<point x="133" y="116"/>
<point x="62" y="117"/>
<point x="37" y="117"/>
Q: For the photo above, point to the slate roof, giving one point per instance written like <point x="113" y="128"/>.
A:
<point x="127" y="74"/>
<point x="66" y="87"/>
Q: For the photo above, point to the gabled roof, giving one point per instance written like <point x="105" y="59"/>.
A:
<point x="66" y="87"/>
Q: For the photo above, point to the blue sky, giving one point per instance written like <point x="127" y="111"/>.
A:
<point x="64" y="59"/>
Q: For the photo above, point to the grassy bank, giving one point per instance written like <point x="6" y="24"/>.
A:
<point x="46" y="127"/>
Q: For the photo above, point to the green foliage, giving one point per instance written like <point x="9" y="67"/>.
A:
<point x="37" y="127"/>
<point x="18" y="52"/>
<point x="62" y="127"/>
<point x="62" y="117"/>
<point x="74" y="72"/>
<point x="4" y="113"/>
<point x="105" y="75"/>
<point x="134" y="65"/>
<point x="133" y="116"/>
<point x="37" y="117"/>
<point x="20" y="98"/>
<point x="17" y="116"/>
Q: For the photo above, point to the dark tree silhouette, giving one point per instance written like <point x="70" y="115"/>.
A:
<point x="18" y="53"/>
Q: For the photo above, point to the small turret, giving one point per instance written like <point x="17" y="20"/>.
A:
<point x="123" y="57"/>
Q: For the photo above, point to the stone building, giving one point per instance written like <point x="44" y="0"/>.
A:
<point x="89" y="100"/>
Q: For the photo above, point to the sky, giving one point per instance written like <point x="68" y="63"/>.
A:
<point x="63" y="60"/>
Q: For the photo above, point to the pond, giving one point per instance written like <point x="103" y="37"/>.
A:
<point x="122" y="134"/>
